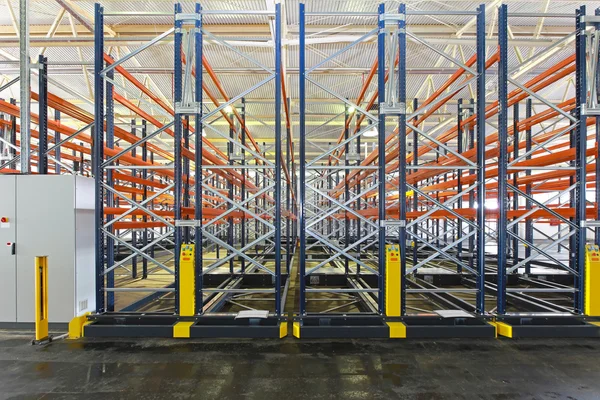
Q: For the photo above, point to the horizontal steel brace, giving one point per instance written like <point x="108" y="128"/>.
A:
<point x="392" y="17"/>
<point x="188" y="222"/>
<point x="187" y="17"/>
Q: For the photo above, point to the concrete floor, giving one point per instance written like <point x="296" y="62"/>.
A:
<point x="292" y="369"/>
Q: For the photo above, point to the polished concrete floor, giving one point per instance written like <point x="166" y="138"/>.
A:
<point x="292" y="369"/>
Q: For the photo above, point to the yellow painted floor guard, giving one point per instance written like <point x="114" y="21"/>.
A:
<point x="182" y="329"/>
<point x="76" y="326"/>
<point x="503" y="329"/>
<point x="283" y="330"/>
<point x="397" y="330"/>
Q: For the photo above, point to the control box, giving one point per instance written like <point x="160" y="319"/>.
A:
<point x="53" y="216"/>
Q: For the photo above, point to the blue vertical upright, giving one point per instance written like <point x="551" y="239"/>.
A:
<point x="144" y="198"/>
<point x="415" y="162"/>
<point x="278" y="158"/>
<point x="580" y="155"/>
<point x="503" y="156"/>
<point x="402" y="151"/>
<point x="481" y="159"/>
<point x="301" y="183"/>
<point x="288" y="192"/>
<point x="43" y="115"/>
<point x="243" y="188"/>
<point x="110" y="198"/>
<point x="346" y="187"/>
<point x="459" y="186"/>
<point x="57" y="140"/>
<point x="98" y="152"/>
<point x="177" y="147"/>
<point x="198" y="163"/>
<point x="381" y="154"/>
<point x="515" y="174"/>
<point x="528" y="187"/>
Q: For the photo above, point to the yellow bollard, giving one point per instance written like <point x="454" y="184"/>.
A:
<point x="41" y="298"/>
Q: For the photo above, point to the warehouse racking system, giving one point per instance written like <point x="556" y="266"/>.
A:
<point x="468" y="211"/>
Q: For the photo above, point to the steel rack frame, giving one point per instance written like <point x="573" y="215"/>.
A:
<point x="532" y="303"/>
<point x="192" y="202"/>
<point x="51" y="154"/>
<point x="436" y="270"/>
<point x="378" y="315"/>
<point x="328" y="242"/>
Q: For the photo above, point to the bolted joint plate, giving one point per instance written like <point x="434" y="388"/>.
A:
<point x="398" y="109"/>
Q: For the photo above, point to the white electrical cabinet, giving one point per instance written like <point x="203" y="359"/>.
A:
<point x="46" y="215"/>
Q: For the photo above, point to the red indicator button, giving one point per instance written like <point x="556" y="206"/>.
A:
<point x="4" y="220"/>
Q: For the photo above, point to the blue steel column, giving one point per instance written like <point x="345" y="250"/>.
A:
<point x="481" y="159"/>
<point x="459" y="202"/>
<point x="198" y="163"/>
<point x="43" y="116"/>
<point x="528" y="188"/>
<point x="144" y="198"/>
<point x="580" y="162"/>
<point x="177" y="149"/>
<point x="278" y="158"/>
<point x="243" y="188"/>
<point x="229" y="185"/>
<point x="288" y="192"/>
<point x="110" y="198"/>
<point x="402" y="151"/>
<point x="186" y="173"/>
<point x="13" y="135"/>
<point x="134" y="234"/>
<point x="57" y="140"/>
<point x="346" y="188"/>
<point x="98" y="151"/>
<point x="503" y="155"/>
<point x="515" y="244"/>
<point x="301" y="183"/>
<point x="415" y="154"/>
<point x="381" y="155"/>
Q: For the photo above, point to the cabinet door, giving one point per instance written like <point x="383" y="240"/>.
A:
<point x="8" y="261"/>
<point x="46" y="216"/>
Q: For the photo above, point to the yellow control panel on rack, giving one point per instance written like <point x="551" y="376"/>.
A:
<point x="187" y="276"/>
<point x="592" y="280"/>
<point x="392" y="280"/>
